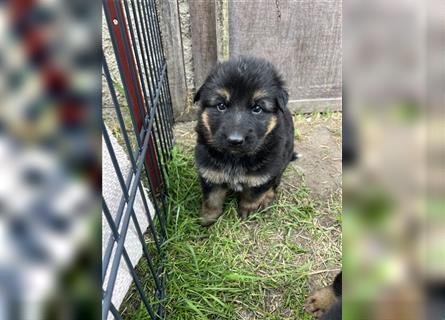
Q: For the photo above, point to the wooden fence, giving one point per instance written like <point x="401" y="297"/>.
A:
<point x="302" y="38"/>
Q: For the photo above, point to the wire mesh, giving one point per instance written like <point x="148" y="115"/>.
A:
<point x="140" y="117"/>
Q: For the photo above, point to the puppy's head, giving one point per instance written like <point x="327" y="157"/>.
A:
<point x="240" y="103"/>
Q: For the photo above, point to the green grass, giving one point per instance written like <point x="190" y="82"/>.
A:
<point x="255" y="269"/>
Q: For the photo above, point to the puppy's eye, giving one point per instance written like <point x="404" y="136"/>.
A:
<point x="221" y="107"/>
<point x="256" y="109"/>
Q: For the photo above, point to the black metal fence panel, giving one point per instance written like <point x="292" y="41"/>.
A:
<point x="142" y="113"/>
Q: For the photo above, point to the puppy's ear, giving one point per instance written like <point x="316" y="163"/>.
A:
<point x="197" y="96"/>
<point x="282" y="99"/>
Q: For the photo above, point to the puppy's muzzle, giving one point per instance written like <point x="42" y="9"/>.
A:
<point x="235" y="139"/>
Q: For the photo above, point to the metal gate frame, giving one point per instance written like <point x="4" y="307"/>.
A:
<point x="134" y="30"/>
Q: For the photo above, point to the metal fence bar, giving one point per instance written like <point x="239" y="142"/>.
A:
<point x="117" y="108"/>
<point x="152" y="117"/>
<point x="115" y="313"/>
<point x="135" y="52"/>
<point x="137" y="45"/>
<point x="127" y="199"/>
<point x="118" y="27"/>
<point x="154" y="27"/>
<point x="123" y="58"/>
<point x="127" y="259"/>
<point x="130" y="175"/>
<point x="161" y="60"/>
<point x="125" y="224"/>
<point x="151" y="57"/>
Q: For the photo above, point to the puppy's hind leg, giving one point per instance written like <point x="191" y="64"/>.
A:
<point x="212" y="204"/>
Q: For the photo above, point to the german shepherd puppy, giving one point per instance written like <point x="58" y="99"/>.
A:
<point x="245" y="135"/>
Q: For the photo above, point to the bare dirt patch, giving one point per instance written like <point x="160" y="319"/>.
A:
<point x="318" y="140"/>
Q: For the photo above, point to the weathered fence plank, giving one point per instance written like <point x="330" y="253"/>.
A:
<point x="172" y="41"/>
<point x="302" y="38"/>
<point x="204" y="44"/>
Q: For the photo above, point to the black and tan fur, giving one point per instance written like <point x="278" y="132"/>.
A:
<point x="245" y="135"/>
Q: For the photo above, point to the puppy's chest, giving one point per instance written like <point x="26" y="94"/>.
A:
<point x="236" y="177"/>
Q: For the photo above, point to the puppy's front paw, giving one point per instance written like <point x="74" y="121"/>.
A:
<point x="244" y="213"/>
<point x="207" y="218"/>
<point x="248" y="205"/>
<point x="212" y="206"/>
<point x="207" y="221"/>
<point x="320" y="301"/>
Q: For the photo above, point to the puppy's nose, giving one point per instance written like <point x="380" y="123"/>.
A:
<point x="235" y="139"/>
